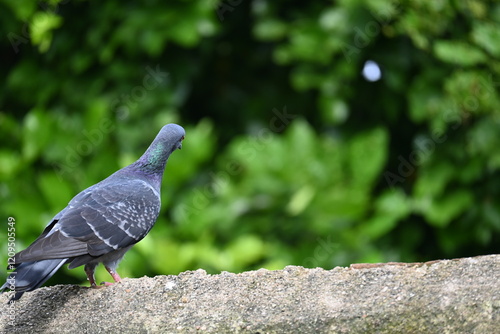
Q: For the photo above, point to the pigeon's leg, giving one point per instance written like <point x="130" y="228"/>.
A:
<point x="89" y="270"/>
<point x="113" y="274"/>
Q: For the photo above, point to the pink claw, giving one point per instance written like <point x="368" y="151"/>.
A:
<point x="106" y="284"/>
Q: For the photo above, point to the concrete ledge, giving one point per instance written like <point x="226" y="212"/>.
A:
<point x="449" y="296"/>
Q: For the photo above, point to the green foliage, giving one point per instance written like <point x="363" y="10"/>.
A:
<point x="325" y="190"/>
<point x="291" y="156"/>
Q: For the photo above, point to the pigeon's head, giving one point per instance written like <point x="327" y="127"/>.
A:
<point x="172" y="135"/>
<point x="167" y="141"/>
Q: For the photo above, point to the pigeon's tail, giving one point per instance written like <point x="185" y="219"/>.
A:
<point x="30" y="275"/>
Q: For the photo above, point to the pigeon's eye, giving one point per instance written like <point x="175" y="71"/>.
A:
<point x="182" y="138"/>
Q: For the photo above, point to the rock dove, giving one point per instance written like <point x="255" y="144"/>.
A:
<point x="101" y="223"/>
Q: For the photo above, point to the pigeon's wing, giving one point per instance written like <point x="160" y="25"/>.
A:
<point x="103" y="218"/>
<point x="114" y="216"/>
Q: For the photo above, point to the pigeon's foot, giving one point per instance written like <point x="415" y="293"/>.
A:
<point x="89" y="271"/>
<point x="113" y="274"/>
<point x="103" y="284"/>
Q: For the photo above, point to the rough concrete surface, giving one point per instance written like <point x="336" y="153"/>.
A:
<point x="449" y="296"/>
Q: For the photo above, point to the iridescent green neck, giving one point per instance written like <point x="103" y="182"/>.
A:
<point x="154" y="159"/>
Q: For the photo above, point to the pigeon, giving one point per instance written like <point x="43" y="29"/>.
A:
<point x="101" y="223"/>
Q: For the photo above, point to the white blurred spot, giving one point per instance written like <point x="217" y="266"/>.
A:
<point x="206" y="27"/>
<point x="371" y="71"/>
<point x="170" y="285"/>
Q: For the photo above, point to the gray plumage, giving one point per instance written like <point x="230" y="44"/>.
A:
<point x="101" y="223"/>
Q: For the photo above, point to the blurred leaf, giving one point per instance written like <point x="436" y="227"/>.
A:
<point x="36" y="133"/>
<point x="300" y="200"/>
<point x="23" y="8"/>
<point x="197" y="148"/>
<point x="334" y="19"/>
<point x="441" y="211"/>
<point x="41" y="27"/>
<point x="432" y="181"/>
<point x="379" y="226"/>
<point x="391" y="207"/>
<point x="334" y="110"/>
<point x="393" y="203"/>
<point x="270" y="30"/>
<point x="9" y="164"/>
<point x="245" y="250"/>
<point x="457" y="52"/>
<point x="56" y="192"/>
<point x="486" y="35"/>
<point x="367" y="156"/>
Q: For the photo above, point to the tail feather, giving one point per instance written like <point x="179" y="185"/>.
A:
<point x="30" y="275"/>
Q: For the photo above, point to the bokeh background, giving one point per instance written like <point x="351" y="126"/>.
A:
<point x="319" y="133"/>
